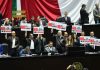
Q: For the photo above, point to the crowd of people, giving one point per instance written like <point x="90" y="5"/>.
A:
<point x="39" y="45"/>
<point x="58" y="44"/>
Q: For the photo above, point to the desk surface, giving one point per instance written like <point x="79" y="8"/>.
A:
<point x="58" y="62"/>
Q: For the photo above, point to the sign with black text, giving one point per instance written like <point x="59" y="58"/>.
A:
<point x="6" y="29"/>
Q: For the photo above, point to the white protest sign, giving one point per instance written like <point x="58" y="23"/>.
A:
<point x="38" y="30"/>
<point x="6" y="29"/>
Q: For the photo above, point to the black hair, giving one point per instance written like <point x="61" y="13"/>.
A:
<point x="83" y="5"/>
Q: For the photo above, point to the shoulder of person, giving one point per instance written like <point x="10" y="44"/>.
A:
<point x="46" y="46"/>
<point x="44" y="38"/>
<point x="17" y="37"/>
<point x="10" y="37"/>
<point x="68" y="17"/>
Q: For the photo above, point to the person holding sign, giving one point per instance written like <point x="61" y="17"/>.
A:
<point x="23" y="20"/>
<point x="66" y="19"/>
<point x="81" y="39"/>
<point x="30" y="43"/>
<point x="58" y="40"/>
<point x="91" y="46"/>
<point x="65" y="40"/>
<point x="69" y="42"/>
<point x="75" y="40"/>
<point x="13" y="44"/>
<point x="6" y="22"/>
<point x="40" y="42"/>
<point x="32" y="21"/>
<point x="39" y="22"/>
<point x="82" y="33"/>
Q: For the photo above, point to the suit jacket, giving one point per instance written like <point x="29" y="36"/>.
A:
<point x="29" y="42"/>
<point x="39" y="45"/>
<point x="58" y="42"/>
<point x="33" y="22"/>
<point x="84" y="16"/>
<point x="10" y="42"/>
<point x="68" y="21"/>
<point x="77" y="43"/>
<point x="95" y="13"/>
<point x="47" y="49"/>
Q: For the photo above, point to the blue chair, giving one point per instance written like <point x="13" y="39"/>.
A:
<point x="1" y="49"/>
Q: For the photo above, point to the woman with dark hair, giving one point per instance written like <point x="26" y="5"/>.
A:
<point x="75" y="40"/>
<point x="69" y="41"/>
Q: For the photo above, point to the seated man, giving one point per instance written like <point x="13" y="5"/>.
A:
<point x="25" y="52"/>
<point x="50" y="49"/>
<point x="91" y="47"/>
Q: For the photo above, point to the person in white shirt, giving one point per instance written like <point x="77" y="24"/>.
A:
<point x="30" y="43"/>
<point x="24" y="20"/>
<point x="13" y="44"/>
<point x="66" y="19"/>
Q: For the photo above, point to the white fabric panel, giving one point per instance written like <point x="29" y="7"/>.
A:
<point x="73" y="8"/>
<point x="18" y="6"/>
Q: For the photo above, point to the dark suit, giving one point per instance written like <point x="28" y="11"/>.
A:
<point x="32" y="22"/>
<point x="91" y="48"/>
<point x="63" y="19"/>
<point x="68" y="21"/>
<point x="29" y="44"/>
<point x="59" y="43"/>
<point x="77" y="43"/>
<point x="1" y="16"/>
<point x="84" y="17"/>
<point x="96" y="13"/>
<point x="39" y="45"/>
<point x="44" y="21"/>
<point x="13" y="51"/>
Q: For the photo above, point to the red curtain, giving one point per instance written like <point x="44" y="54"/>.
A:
<point x="6" y="8"/>
<point x="48" y="8"/>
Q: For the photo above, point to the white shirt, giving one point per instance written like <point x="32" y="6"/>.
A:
<point x="13" y="43"/>
<point x="41" y="24"/>
<point x="66" y="18"/>
<point x="32" y="45"/>
<point x="93" y="45"/>
<point x="50" y="48"/>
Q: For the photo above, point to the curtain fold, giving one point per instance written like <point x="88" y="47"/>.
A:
<point x="48" y="8"/>
<point x="6" y="8"/>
